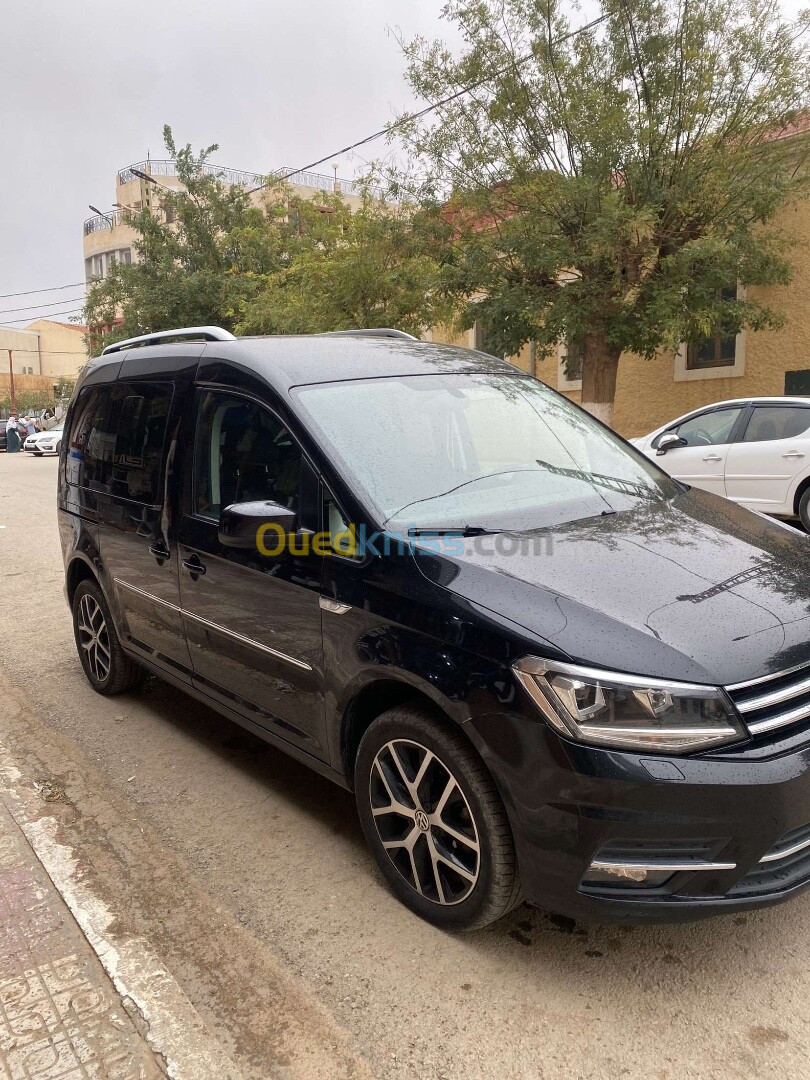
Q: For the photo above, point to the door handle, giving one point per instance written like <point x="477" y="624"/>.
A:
<point x="195" y="567"/>
<point x="160" y="551"/>
<point x="793" y="453"/>
<point x="712" y="457"/>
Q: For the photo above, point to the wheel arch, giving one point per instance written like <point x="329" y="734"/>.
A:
<point x="801" y="487"/>
<point x="372" y="700"/>
<point x="79" y="569"/>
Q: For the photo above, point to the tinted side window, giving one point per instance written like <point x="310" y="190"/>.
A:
<point x="143" y="413"/>
<point x="242" y="453"/>
<point x="776" y="422"/>
<point x="709" y="429"/>
<point x="90" y="452"/>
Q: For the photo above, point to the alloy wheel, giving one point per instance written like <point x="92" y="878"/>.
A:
<point x="424" y="822"/>
<point x="94" y="637"/>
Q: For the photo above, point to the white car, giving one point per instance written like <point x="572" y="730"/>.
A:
<point x="45" y="442"/>
<point x="755" y="451"/>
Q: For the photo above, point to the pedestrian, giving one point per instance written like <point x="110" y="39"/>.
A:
<point x="12" y="435"/>
<point x="30" y="425"/>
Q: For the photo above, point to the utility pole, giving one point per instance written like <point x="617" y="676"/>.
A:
<point x="11" y="383"/>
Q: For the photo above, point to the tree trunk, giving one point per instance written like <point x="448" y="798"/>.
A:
<point x="599" y="368"/>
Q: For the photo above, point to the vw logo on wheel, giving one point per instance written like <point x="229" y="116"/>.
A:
<point x="421" y="820"/>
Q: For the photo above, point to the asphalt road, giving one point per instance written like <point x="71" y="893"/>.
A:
<point x="249" y="875"/>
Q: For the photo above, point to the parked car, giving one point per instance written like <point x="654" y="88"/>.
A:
<point x="755" y="451"/>
<point x="545" y="668"/>
<point x="3" y="442"/>
<point x="45" y="442"/>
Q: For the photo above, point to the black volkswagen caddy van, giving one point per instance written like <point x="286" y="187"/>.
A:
<point x="546" y="669"/>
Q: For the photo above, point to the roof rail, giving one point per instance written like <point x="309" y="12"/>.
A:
<point x="379" y="331"/>
<point x="206" y="333"/>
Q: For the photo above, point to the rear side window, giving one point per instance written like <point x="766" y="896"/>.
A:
<point x="142" y="412"/>
<point x="776" y="422"/>
<point x="92" y="440"/>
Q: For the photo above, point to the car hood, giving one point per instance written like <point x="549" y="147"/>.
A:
<point x="696" y="589"/>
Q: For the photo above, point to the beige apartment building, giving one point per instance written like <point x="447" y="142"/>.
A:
<point x="47" y="348"/>
<point x="108" y="238"/>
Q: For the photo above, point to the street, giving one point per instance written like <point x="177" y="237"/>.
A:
<point x="248" y="876"/>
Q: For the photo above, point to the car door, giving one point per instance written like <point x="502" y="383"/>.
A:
<point x="701" y="457"/>
<point x="135" y="505"/>
<point x="253" y="622"/>
<point x="773" y="449"/>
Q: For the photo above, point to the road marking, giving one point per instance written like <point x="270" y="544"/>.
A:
<point x="174" y="1028"/>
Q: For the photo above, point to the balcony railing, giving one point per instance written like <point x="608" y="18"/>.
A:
<point x="239" y="178"/>
<point x="104" y="221"/>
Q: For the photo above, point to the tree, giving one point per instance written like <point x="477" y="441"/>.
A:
<point x="608" y="185"/>
<point x="367" y="267"/>
<point x="198" y="258"/>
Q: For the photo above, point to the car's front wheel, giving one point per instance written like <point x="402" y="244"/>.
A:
<point x="108" y="668"/>
<point x="435" y="821"/>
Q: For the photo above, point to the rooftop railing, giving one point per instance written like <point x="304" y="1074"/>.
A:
<point x="233" y="177"/>
<point x="240" y="178"/>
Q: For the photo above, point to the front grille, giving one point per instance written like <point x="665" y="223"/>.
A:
<point x="785" y="866"/>
<point x="775" y="702"/>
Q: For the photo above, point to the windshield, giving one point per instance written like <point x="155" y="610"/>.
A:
<point x="488" y="451"/>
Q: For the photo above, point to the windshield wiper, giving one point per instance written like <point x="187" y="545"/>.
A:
<point x="615" y="483"/>
<point x="452" y="530"/>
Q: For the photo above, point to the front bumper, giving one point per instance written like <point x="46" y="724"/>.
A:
<point x="743" y="814"/>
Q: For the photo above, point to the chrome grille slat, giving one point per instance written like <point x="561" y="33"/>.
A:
<point x="766" y="707"/>
<point x="764" y="701"/>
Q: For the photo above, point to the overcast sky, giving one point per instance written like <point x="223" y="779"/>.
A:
<point x="86" y="86"/>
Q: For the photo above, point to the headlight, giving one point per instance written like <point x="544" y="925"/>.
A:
<point x="630" y="712"/>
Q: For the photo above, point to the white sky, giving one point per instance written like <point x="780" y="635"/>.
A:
<point x="86" y="86"/>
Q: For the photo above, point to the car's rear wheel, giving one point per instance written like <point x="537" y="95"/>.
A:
<point x="108" y="668"/>
<point x="804" y="509"/>
<point x="435" y="821"/>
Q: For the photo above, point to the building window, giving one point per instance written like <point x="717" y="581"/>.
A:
<point x="573" y="358"/>
<point x="720" y="356"/>
<point x="570" y="358"/>
<point x="718" y="350"/>
<point x="484" y="340"/>
<point x="98" y="266"/>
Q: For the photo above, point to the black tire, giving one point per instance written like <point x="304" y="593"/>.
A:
<point x="122" y="673"/>
<point x="804" y="509"/>
<point x="447" y="899"/>
<point x="59" y="447"/>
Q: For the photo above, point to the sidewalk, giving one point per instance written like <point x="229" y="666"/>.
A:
<point x="60" y="1016"/>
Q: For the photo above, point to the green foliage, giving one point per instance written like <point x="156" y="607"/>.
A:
<point x="294" y="265"/>
<point x="367" y="267"/>
<point x="29" y="401"/>
<point x="606" y="185"/>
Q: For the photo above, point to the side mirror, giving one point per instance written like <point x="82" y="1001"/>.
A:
<point x="668" y="441"/>
<point x="239" y="523"/>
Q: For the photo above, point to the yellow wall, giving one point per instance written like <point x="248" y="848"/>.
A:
<point x="62" y="348"/>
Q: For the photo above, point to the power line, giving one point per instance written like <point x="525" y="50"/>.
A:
<point x="409" y="117"/>
<point x="36" y="307"/>
<point x="47" y="315"/>
<point x="30" y="292"/>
